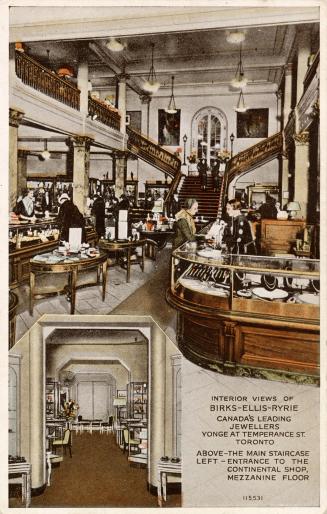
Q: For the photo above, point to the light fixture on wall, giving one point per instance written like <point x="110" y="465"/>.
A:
<point x="151" y="84"/>
<point x="232" y="139"/>
<point x="241" y="107"/>
<point x="239" y="81"/>
<point x="171" y="109"/>
<point x="114" y="45"/>
<point x="45" y="155"/>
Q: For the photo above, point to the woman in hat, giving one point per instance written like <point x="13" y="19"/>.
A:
<point x="69" y="217"/>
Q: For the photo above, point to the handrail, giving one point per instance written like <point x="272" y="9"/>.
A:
<point x="103" y="113"/>
<point x="173" y="187"/>
<point x="42" y="79"/>
<point x="311" y="71"/>
<point x="152" y="153"/>
<point x="252" y="157"/>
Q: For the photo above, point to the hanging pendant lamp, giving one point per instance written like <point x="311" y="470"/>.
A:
<point x="241" y="107"/>
<point x="239" y="81"/>
<point x="171" y="109"/>
<point x="114" y="45"/>
<point x="152" y="84"/>
<point x="45" y="155"/>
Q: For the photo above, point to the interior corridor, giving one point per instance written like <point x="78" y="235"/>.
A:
<point x="97" y="475"/>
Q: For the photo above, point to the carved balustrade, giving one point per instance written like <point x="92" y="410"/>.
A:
<point x="103" y="113"/>
<point x="37" y="76"/>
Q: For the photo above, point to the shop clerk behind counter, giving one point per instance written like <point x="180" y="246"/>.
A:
<point x="69" y="217"/>
<point x="184" y="225"/>
<point x="25" y="208"/>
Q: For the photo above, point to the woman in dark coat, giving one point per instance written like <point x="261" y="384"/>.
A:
<point x="98" y="210"/>
<point x="69" y="217"/>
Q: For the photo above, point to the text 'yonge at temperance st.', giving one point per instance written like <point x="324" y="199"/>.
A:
<point x="255" y="425"/>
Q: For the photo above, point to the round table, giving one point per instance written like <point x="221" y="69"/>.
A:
<point x="72" y="265"/>
<point x="125" y="246"/>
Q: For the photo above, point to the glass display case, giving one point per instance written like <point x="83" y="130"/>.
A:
<point x="137" y="400"/>
<point x="247" y="311"/>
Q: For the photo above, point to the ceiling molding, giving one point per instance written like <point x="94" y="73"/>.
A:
<point x="51" y="23"/>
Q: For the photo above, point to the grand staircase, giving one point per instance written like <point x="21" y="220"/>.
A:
<point x="208" y="199"/>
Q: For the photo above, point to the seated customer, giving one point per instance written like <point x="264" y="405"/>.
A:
<point x="184" y="225"/>
<point x="238" y="233"/>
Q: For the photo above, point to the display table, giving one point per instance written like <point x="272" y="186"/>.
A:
<point x="164" y="469"/>
<point x="125" y="247"/>
<point x="19" y="258"/>
<point x="50" y="263"/>
<point x="20" y="473"/>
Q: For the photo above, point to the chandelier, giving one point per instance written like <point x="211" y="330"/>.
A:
<point x="152" y="84"/>
<point x="241" y="107"/>
<point x="239" y="81"/>
<point x="171" y="109"/>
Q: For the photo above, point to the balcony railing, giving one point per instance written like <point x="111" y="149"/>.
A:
<point x="46" y="81"/>
<point x="104" y="114"/>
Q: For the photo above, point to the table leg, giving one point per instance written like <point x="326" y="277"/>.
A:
<point x="32" y="289"/>
<point x="104" y="279"/>
<point x="143" y="256"/>
<point x="164" y="485"/>
<point x="159" y="489"/>
<point x="73" y="290"/>
<point x="28" y="489"/>
<point x="128" y="265"/>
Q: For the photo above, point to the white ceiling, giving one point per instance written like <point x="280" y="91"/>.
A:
<point x="193" y="48"/>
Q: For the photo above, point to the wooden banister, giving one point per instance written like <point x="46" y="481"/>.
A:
<point x="152" y="153"/>
<point x="103" y="113"/>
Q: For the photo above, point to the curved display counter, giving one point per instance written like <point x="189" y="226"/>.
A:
<point x="247" y="315"/>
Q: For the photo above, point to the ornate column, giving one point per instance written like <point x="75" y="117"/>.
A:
<point x="83" y="78"/>
<point x="15" y="117"/>
<point x="145" y="114"/>
<point x="120" y="169"/>
<point x="22" y="170"/>
<point x="287" y="109"/>
<point x="301" y="178"/>
<point x="122" y="101"/>
<point x="81" y="165"/>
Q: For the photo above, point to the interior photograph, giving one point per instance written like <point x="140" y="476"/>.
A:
<point x="162" y="163"/>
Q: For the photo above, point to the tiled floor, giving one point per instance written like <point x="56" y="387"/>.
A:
<point x="88" y="300"/>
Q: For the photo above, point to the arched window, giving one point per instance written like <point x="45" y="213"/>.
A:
<point x="209" y="133"/>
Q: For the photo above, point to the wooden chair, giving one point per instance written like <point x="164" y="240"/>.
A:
<point x="128" y="441"/>
<point x="64" y="442"/>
